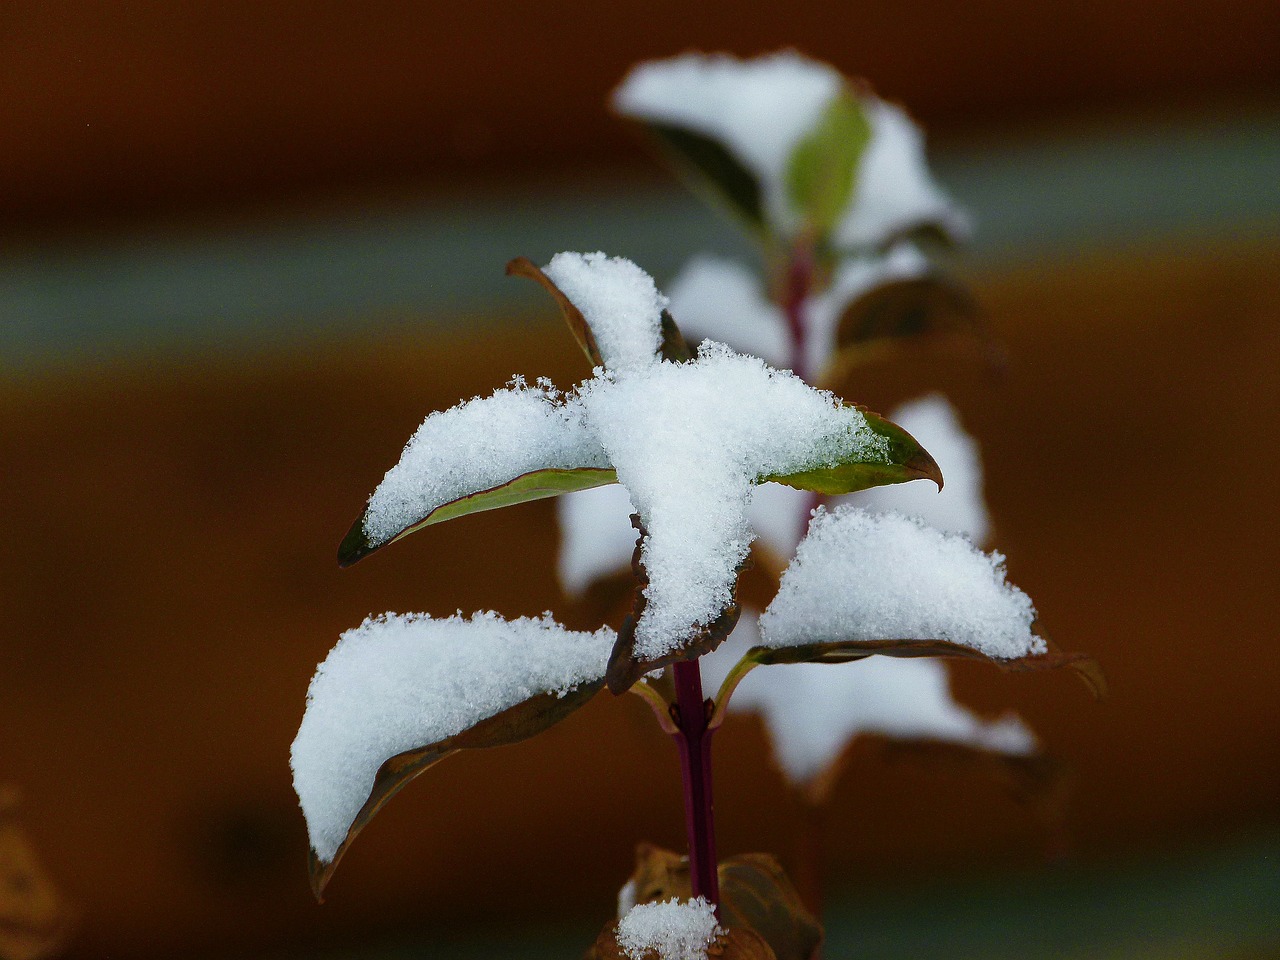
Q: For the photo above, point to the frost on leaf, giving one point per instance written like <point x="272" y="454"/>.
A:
<point x="811" y="711"/>
<point x="863" y="578"/>
<point x="768" y="116"/>
<point x="399" y="693"/>
<point x="519" y="444"/>
<point x="669" y="930"/>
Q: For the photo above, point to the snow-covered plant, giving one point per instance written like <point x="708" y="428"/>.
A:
<point x="689" y="436"/>
<point x="833" y="184"/>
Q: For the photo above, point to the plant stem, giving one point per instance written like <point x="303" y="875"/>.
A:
<point x="795" y="294"/>
<point x="693" y="739"/>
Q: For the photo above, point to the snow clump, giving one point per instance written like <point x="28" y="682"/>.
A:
<point x="670" y="930"/>
<point x="688" y="441"/>
<point x="618" y="300"/>
<point x="400" y="682"/>
<point x="479" y="445"/>
<point x="864" y="577"/>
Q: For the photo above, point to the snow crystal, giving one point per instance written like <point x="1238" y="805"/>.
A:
<point x="396" y="683"/>
<point x="758" y="109"/>
<point x="671" y="930"/>
<point x="959" y="506"/>
<point x="719" y="299"/>
<point x="894" y="190"/>
<point x="596" y="535"/>
<point x="859" y="576"/>
<point x="618" y="300"/>
<point x="688" y="441"/>
<point x="478" y="445"/>
<point x="812" y="710"/>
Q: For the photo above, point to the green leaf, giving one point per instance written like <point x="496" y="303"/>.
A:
<point x="712" y="168"/>
<point x="847" y="651"/>
<point x="535" y="485"/>
<point x="578" y="326"/>
<point x="524" y="720"/>
<point x="822" y="168"/>
<point x="906" y="460"/>
<point x="755" y="895"/>
<point x="932" y="307"/>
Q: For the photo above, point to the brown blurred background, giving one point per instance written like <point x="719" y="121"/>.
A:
<point x="244" y="248"/>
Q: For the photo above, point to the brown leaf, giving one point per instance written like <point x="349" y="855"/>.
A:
<point x="34" y="920"/>
<point x="578" y="326"/>
<point x="930" y="307"/>
<point x="524" y="720"/>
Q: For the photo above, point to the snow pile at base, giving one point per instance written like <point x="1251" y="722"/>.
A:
<point x="478" y="445"/>
<point x="396" y="683"/>
<point x="714" y="298"/>
<point x="863" y="577"/>
<point x="688" y="441"/>
<point x="959" y="506"/>
<point x="669" y="930"/>
<point x="812" y="711"/>
<point x="596" y="536"/>
<point x="618" y="300"/>
<point x="758" y="109"/>
<point x="894" y="191"/>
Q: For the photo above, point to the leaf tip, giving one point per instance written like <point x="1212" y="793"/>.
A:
<point x="924" y="467"/>
<point x="355" y="546"/>
<point x="319" y="872"/>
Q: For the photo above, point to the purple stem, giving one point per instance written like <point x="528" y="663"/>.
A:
<point x="799" y="286"/>
<point x="694" y="742"/>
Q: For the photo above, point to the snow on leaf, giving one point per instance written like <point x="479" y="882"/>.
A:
<point x="859" y="577"/>
<point x="756" y="110"/>
<point x="811" y="711"/>
<point x="400" y="693"/>
<point x="767" y="111"/>
<point x="522" y="443"/>
<point x="895" y="194"/>
<point x="689" y="441"/>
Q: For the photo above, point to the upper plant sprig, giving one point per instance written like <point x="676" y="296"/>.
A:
<point x="689" y="436"/>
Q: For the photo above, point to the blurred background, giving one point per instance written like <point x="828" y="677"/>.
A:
<point x="246" y="247"/>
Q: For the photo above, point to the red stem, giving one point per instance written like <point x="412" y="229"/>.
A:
<point x="693" y="739"/>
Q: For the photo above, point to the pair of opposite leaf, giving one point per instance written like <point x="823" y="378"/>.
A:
<point x="689" y="438"/>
